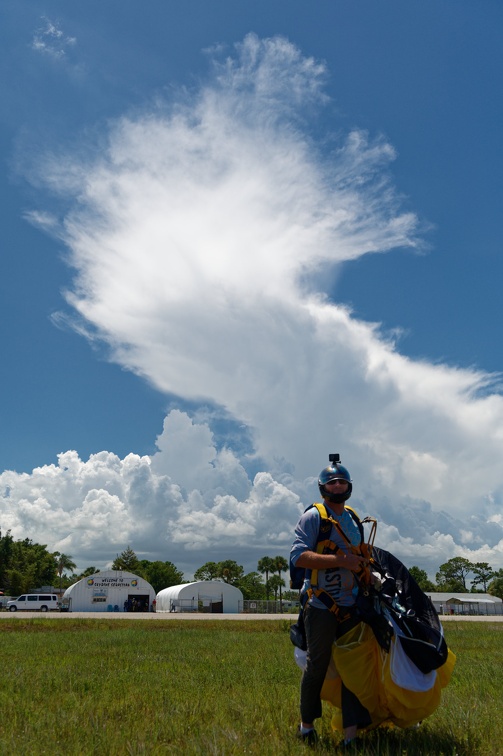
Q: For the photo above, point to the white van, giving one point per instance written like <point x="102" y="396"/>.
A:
<point x="34" y="602"/>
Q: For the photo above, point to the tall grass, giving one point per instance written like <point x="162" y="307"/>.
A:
<point x="173" y="687"/>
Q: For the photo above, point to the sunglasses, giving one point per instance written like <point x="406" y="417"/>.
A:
<point x="332" y="482"/>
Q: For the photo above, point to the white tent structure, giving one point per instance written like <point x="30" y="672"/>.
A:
<point x="112" y="591"/>
<point x="211" y="596"/>
<point x="466" y="603"/>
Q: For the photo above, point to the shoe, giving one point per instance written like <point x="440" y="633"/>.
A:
<point x="310" y="738"/>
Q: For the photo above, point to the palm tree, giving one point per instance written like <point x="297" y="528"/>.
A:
<point x="265" y="566"/>
<point x="63" y="562"/>
<point x="276" y="584"/>
<point x="280" y="565"/>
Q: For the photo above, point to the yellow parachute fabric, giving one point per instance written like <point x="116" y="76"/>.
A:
<point x="365" y="669"/>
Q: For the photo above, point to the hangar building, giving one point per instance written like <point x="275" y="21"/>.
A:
<point x="109" y="591"/>
<point x="212" y="596"/>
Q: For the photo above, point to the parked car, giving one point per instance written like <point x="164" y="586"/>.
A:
<point x="34" y="602"/>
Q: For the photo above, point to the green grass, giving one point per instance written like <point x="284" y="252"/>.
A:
<point x="177" y="687"/>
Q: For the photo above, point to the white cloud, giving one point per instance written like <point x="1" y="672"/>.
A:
<point x="206" y="238"/>
<point x="50" y="40"/>
<point x="192" y="503"/>
<point x="94" y="509"/>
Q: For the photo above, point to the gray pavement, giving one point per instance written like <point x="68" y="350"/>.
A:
<point x="145" y="616"/>
<point x="191" y="616"/>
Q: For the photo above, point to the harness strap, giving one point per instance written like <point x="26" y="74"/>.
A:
<point x="342" y="613"/>
<point x="327" y="546"/>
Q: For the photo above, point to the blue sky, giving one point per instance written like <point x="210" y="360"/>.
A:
<point x="237" y="237"/>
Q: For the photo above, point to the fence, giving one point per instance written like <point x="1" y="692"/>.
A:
<point x="201" y="605"/>
<point x="470" y="607"/>
<point x="268" y="607"/>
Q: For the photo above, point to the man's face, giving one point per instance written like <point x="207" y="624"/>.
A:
<point x="337" y="485"/>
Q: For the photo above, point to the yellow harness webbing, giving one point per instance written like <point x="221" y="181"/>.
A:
<point x="327" y="546"/>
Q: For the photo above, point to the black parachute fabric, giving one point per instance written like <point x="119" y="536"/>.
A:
<point x="412" y="611"/>
<point x="401" y="600"/>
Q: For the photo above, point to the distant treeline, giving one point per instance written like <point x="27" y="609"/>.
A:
<point x="26" y="566"/>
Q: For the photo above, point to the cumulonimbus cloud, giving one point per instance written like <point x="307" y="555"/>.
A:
<point x="206" y="238"/>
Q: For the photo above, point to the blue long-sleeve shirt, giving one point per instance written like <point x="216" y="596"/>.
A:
<point x="339" y="582"/>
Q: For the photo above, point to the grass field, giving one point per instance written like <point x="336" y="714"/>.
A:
<point x="171" y="687"/>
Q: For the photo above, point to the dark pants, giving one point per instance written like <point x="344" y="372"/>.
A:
<point x="322" y="629"/>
